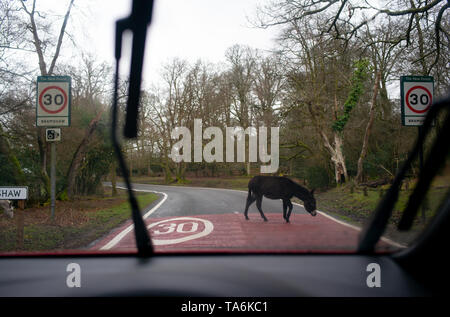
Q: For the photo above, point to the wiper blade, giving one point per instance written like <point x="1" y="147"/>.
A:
<point x="376" y="225"/>
<point x="137" y="22"/>
<point x="436" y="159"/>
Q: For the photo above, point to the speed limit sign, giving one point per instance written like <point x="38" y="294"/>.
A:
<point x="416" y="94"/>
<point x="53" y="101"/>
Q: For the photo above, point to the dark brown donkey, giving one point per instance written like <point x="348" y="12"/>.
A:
<point x="275" y="187"/>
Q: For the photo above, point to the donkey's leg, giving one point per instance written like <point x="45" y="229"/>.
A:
<point x="250" y="199"/>
<point x="284" y="209"/>
<point x="289" y="204"/>
<point x="258" y="205"/>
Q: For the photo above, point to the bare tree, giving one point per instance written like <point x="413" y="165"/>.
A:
<point x="385" y="59"/>
<point x="41" y="48"/>
<point x="319" y="78"/>
<point x="376" y="85"/>
<point x="241" y="75"/>
<point x="41" y="45"/>
<point x="268" y="85"/>
<point x="25" y="30"/>
<point x="347" y="18"/>
<point x="168" y="109"/>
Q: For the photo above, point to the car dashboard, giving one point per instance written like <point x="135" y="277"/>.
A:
<point x="229" y="275"/>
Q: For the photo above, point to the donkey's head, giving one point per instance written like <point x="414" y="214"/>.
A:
<point x="310" y="203"/>
<point x="8" y="208"/>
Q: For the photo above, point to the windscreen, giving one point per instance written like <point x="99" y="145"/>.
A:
<point x="263" y="126"/>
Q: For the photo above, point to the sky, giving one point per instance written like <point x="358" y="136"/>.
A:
<point x="188" y="29"/>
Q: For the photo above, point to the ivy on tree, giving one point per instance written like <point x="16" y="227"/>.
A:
<point x="359" y="77"/>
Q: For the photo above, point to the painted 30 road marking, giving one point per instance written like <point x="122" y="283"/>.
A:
<point x="191" y="228"/>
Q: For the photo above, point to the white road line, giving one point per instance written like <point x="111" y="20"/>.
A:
<point x="387" y="240"/>
<point x="128" y="229"/>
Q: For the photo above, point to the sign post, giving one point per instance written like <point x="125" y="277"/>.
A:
<point x="53" y="100"/>
<point x="52" y="180"/>
<point x="416" y="94"/>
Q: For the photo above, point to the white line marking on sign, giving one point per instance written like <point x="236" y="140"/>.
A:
<point x="209" y="227"/>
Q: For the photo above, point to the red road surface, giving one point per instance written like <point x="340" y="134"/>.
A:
<point x="231" y="232"/>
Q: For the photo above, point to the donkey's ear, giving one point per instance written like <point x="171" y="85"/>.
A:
<point x="312" y="191"/>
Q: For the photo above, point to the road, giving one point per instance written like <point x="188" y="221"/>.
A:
<point x="186" y="219"/>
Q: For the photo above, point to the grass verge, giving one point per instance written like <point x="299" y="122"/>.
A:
<point x="356" y="207"/>
<point x="76" y="223"/>
<point x="235" y="182"/>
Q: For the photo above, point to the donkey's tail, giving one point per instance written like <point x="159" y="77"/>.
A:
<point x="249" y="192"/>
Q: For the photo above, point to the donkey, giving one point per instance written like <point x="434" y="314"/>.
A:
<point x="275" y="187"/>
<point x="7" y="207"/>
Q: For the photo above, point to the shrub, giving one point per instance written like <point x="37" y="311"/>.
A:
<point x="317" y="177"/>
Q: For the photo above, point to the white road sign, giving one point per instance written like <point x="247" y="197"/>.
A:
<point x="13" y="192"/>
<point x="416" y="94"/>
<point x="53" y="101"/>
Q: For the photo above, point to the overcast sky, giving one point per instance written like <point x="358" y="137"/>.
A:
<point x="189" y="29"/>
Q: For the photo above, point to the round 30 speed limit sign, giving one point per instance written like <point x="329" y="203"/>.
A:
<point x="417" y="98"/>
<point x="53" y="101"/>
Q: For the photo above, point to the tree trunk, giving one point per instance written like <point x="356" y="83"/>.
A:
<point x="180" y="172"/>
<point x="113" y="178"/>
<point x="150" y="159"/>
<point x="337" y="157"/>
<point x="167" y="174"/>
<point x="335" y="150"/>
<point x="362" y="156"/>
<point x="131" y="163"/>
<point x="166" y="167"/>
<point x="43" y="149"/>
<point x="78" y="156"/>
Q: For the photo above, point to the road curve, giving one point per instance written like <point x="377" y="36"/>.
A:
<point x="188" y="219"/>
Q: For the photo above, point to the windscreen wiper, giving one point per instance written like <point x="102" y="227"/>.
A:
<point x="137" y="22"/>
<point x="436" y="158"/>
<point x="379" y="219"/>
